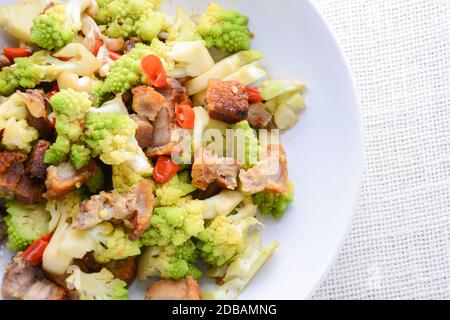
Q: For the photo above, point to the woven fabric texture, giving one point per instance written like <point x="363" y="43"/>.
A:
<point x="399" y="245"/>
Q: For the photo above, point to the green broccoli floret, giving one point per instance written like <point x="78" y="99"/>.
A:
<point x="96" y="182"/>
<point x="225" y="237"/>
<point x="97" y="286"/>
<point x="224" y="29"/>
<point x="174" y="262"/>
<point x="126" y="72"/>
<point x="130" y="18"/>
<point x="175" y="225"/>
<point x="70" y="108"/>
<point x="57" y="26"/>
<point x="25" y="223"/>
<point x="171" y="192"/>
<point x="251" y="146"/>
<point x="274" y="203"/>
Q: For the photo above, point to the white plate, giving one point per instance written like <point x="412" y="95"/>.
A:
<point x="324" y="149"/>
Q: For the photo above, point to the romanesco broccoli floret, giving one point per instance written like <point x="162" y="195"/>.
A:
<point x="126" y="72"/>
<point x="25" y="223"/>
<point x="251" y="145"/>
<point x="175" y="225"/>
<point x="225" y="237"/>
<point x="97" y="286"/>
<point x="112" y="137"/>
<point x="108" y="136"/>
<point x="171" y="192"/>
<point x="224" y="29"/>
<point x="242" y="269"/>
<point x="275" y="204"/>
<point x="114" y="245"/>
<point x="70" y="108"/>
<point x="174" y="262"/>
<point x="58" y="25"/>
<point x="28" y="72"/>
<point x="129" y="18"/>
<point x="79" y="155"/>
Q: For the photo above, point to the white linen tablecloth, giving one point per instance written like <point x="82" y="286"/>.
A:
<point x="399" y="245"/>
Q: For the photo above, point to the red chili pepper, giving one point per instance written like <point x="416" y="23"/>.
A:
<point x="54" y="122"/>
<point x="185" y="116"/>
<point x="114" y="55"/>
<point x="154" y="71"/>
<point x="35" y="251"/>
<point x="253" y="95"/>
<point x="12" y="53"/>
<point x="98" y="44"/>
<point x="165" y="169"/>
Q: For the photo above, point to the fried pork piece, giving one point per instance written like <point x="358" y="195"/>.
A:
<point x="36" y="166"/>
<point x="14" y="182"/>
<point x="29" y="190"/>
<point x="147" y="102"/>
<point x="227" y="101"/>
<point x="259" y="117"/>
<point x="64" y="178"/>
<point x="184" y="289"/>
<point x="208" y="168"/>
<point x="133" y="208"/>
<point x="144" y="131"/>
<point x="175" y="93"/>
<point x="23" y="281"/>
<point x="270" y="173"/>
<point x="124" y="270"/>
<point x="3" y="233"/>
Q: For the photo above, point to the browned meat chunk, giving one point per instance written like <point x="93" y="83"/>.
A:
<point x="42" y="126"/>
<point x="36" y="167"/>
<point x="167" y="136"/>
<point x="64" y="178"/>
<point x="22" y="281"/>
<point x="208" y="168"/>
<point x="175" y="93"/>
<point x="124" y="270"/>
<point x="270" y="173"/>
<point x="14" y="182"/>
<point x="259" y="117"/>
<point x="8" y="158"/>
<point x="147" y="102"/>
<point x="184" y="289"/>
<point x="227" y="101"/>
<point x="29" y="190"/>
<point x="144" y="131"/>
<point x="133" y="208"/>
<point x="2" y="229"/>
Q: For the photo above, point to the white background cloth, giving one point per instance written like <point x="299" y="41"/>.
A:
<point x="399" y="245"/>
